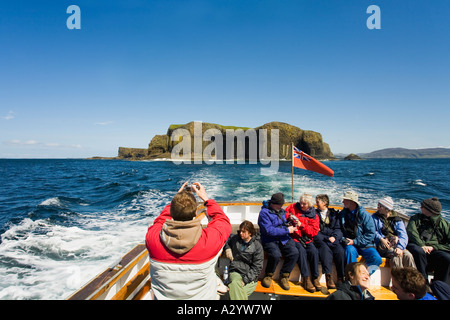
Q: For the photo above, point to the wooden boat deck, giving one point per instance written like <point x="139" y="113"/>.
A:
<point x="379" y="292"/>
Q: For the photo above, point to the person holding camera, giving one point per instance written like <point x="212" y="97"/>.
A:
<point x="307" y="227"/>
<point x="429" y="235"/>
<point x="391" y="236"/>
<point x="359" y="233"/>
<point x="275" y="230"/>
<point x="182" y="254"/>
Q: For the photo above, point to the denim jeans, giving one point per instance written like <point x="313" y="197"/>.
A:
<point x="371" y="255"/>
<point x="274" y="251"/>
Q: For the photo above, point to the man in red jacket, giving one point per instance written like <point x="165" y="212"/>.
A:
<point x="182" y="253"/>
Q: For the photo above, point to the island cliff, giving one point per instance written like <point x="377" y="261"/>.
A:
<point x="161" y="146"/>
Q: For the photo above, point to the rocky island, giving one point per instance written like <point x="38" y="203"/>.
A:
<point x="161" y="146"/>
<point x="352" y="156"/>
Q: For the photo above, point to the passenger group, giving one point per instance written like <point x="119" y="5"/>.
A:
<point x="183" y="255"/>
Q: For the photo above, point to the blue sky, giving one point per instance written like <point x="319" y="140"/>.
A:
<point x="135" y="67"/>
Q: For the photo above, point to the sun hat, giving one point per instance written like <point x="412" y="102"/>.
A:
<point x="351" y="195"/>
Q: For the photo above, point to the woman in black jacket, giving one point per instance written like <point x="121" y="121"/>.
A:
<point x="247" y="256"/>
<point x="327" y="241"/>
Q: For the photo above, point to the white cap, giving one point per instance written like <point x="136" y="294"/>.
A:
<point x="387" y="202"/>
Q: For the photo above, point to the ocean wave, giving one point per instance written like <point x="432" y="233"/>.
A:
<point x="62" y="202"/>
<point x="419" y="182"/>
<point x="56" y="238"/>
<point x="39" y="252"/>
<point x="67" y="248"/>
<point x="51" y="202"/>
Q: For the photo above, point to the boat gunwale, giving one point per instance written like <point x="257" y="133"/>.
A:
<point x="106" y="279"/>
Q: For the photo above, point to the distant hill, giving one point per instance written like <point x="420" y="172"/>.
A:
<point x="402" y="153"/>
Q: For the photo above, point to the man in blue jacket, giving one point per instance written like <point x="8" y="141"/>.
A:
<point x="276" y="241"/>
<point x="359" y="232"/>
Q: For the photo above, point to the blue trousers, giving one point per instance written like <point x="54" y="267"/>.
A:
<point x="308" y="259"/>
<point x="274" y="251"/>
<point x="371" y="255"/>
<point x="327" y="253"/>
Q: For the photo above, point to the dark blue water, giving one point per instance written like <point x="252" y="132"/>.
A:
<point x="64" y="221"/>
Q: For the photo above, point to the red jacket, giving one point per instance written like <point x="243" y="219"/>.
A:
<point x="309" y="222"/>
<point x="183" y="255"/>
<point x="211" y="241"/>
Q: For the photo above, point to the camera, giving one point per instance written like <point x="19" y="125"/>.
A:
<point x="344" y="241"/>
<point x="293" y="220"/>
<point x="188" y="189"/>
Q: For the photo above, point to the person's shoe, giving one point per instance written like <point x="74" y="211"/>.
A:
<point x="307" y="284"/>
<point x="330" y="282"/>
<point x="267" y="281"/>
<point x="284" y="281"/>
<point x="317" y="284"/>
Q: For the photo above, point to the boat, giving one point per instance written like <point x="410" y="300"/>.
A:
<point x="129" y="277"/>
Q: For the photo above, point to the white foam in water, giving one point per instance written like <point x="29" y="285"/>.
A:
<point x="50" y="261"/>
<point x="58" y="262"/>
<point x="51" y="202"/>
<point x="43" y="260"/>
<point x="419" y="182"/>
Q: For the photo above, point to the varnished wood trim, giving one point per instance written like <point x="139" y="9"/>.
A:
<point x="104" y="280"/>
<point x="134" y="283"/>
<point x="144" y="290"/>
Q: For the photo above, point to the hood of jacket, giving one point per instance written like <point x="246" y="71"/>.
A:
<point x="181" y="236"/>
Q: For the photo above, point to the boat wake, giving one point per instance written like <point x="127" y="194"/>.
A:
<point x="51" y="256"/>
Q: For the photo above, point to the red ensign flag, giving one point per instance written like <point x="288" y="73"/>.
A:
<point x="304" y="161"/>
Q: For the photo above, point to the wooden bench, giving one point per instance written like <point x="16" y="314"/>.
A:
<point x="378" y="291"/>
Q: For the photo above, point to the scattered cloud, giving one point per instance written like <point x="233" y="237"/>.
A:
<point x="104" y="123"/>
<point x="22" y="143"/>
<point x="55" y="145"/>
<point x="9" y="116"/>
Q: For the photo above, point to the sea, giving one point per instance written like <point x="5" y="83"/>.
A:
<point x="63" y="221"/>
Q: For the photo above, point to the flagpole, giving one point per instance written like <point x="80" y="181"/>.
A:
<point x="292" y="165"/>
